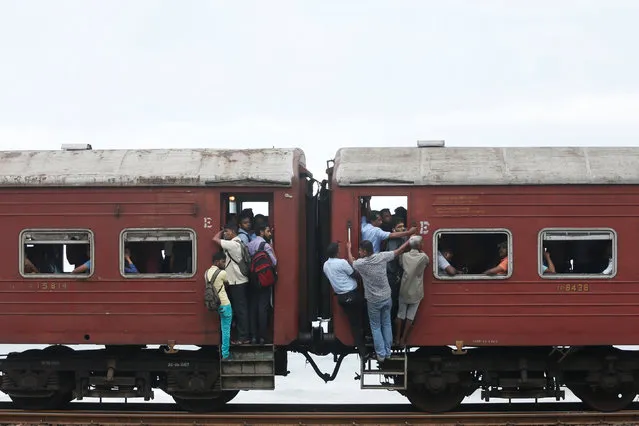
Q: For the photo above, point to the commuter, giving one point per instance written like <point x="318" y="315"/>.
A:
<point x="411" y="291"/>
<point x="244" y="231"/>
<point x="372" y="232"/>
<point x="401" y="212"/>
<point x="225" y="310"/>
<point x="29" y="267"/>
<point x="238" y="282"/>
<point x="387" y="220"/>
<point x="85" y="268"/>
<point x="393" y="268"/>
<point x="129" y="267"/>
<point x="444" y="256"/>
<point x="609" y="268"/>
<point x="343" y="280"/>
<point x="260" y="296"/>
<point x="549" y="266"/>
<point x="502" y="267"/>
<point x="372" y="267"/>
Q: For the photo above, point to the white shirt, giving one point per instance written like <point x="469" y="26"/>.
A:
<point x="233" y="249"/>
<point x="442" y="264"/>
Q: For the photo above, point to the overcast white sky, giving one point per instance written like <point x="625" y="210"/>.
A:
<point x="317" y="74"/>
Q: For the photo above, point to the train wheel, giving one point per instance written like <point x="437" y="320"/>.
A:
<point x="57" y="399"/>
<point x="434" y="402"/>
<point x="603" y="400"/>
<point x="207" y="404"/>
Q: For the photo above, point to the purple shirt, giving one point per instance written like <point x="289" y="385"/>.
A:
<point x="254" y="246"/>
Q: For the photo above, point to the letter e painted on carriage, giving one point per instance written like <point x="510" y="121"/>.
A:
<point x="208" y="222"/>
<point x="423" y="227"/>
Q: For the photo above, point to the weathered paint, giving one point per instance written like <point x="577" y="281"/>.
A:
<point x="486" y="166"/>
<point x="157" y="167"/>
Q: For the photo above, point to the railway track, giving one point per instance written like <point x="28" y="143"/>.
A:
<point x="240" y="414"/>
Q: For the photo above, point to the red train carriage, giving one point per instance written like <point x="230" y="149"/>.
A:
<point x="62" y="208"/>
<point x="525" y="332"/>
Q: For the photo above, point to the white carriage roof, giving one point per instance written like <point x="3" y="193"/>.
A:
<point x="486" y="166"/>
<point x="156" y="167"/>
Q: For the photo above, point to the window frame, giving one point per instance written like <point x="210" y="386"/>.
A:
<point x="156" y="275"/>
<point x="473" y="277"/>
<point x="540" y="255"/>
<point x="64" y="275"/>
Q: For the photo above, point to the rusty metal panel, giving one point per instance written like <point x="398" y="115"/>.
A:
<point x="486" y="166"/>
<point x="158" y="167"/>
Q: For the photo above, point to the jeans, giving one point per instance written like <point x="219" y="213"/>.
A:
<point x="354" y="312"/>
<point x="381" y="328"/>
<point x="259" y="303"/>
<point x="239" y="300"/>
<point x="226" y="317"/>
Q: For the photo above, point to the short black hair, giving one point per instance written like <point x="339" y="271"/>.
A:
<point x="332" y="250"/>
<point x="231" y="226"/>
<point x="397" y="220"/>
<point x="503" y="245"/>
<point x="367" y="246"/>
<point x="219" y="256"/>
<point x="382" y="211"/>
<point x="372" y="216"/>
<point x="261" y="228"/>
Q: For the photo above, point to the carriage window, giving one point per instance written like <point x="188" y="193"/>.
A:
<point x="152" y="252"/>
<point x="472" y="254"/>
<point x="66" y="253"/>
<point x="577" y="252"/>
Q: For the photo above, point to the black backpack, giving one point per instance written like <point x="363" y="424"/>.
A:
<point x="211" y="297"/>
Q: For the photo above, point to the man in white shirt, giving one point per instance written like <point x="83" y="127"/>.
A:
<point x="238" y="283"/>
<point x="342" y="278"/>
<point x="443" y="263"/>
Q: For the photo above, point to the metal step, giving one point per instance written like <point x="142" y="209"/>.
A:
<point x="251" y="367"/>
<point x="389" y="375"/>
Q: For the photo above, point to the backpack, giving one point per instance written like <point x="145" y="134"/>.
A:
<point x="211" y="297"/>
<point x="262" y="270"/>
<point x="245" y="262"/>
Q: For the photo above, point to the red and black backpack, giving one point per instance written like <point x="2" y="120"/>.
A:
<point x="263" y="272"/>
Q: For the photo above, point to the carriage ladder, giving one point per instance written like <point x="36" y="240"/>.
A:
<point x="251" y="367"/>
<point x="391" y="374"/>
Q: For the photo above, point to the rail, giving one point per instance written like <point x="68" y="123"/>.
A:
<point x="291" y="414"/>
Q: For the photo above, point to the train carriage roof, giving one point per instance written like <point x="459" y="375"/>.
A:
<point x="486" y="166"/>
<point x="156" y="167"/>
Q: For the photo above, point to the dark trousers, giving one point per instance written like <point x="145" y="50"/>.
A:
<point x="394" y="283"/>
<point x="354" y="312"/>
<point x="259" y="304"/>
<point x="238" y="294"/>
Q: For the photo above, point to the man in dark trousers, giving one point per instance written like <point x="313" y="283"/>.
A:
<point x="342" y="278"/>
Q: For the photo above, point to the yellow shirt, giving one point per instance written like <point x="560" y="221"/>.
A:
<point x="218" y="285"/>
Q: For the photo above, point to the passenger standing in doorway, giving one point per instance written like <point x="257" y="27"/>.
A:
<point x="372" y="267"/>
<point x="244" y="231"/>
<point x="260" y="297"/>
<point x="372" y="232"/>
<point x="224" y="310"/>
<point x="411" y="291"/>
<point x="342" y="277"/>
<point x="393" y="268"/>
<point x="238" y="283"/>
<point x="387" y="220"/>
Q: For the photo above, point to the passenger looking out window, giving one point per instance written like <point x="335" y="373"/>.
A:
<point x="372" y="267"/>
<point x="129" y="267"/>
<point x="608" y="270"/>
<point x="224" y="310"/>
<point x="85" y="268"/>
<point x="502" y="267"/>
<point x="578" y="252"/>
<point x="444" y="257"/>
<point x="411" y="291"/>
<point x="260" y="297"/>
<point x="238" y="282"/>
<point x="342" y="277"/>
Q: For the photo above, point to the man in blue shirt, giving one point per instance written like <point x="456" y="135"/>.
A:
<point x="372" y="232"/>
<point x="342" y="278"/>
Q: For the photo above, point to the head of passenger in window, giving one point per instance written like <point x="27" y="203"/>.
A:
<point x="332" y="251"/>
<point x="375" y="218"/>
<point x="386" y="216"/>
<point x="245" y="223"/>
<point x="264" y="231"/>
<point x="219" y="259"/>
<point x="447" y="253"/>
<point x="415" y="242"/>
<point x="365" y="248"/>
<point x="229" y="231"/>
<point x="398" y="224"/>
<point x="503" y="249"/>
